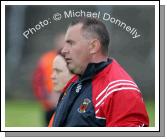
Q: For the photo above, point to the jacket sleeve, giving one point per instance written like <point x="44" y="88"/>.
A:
<point x="125" y="109"/>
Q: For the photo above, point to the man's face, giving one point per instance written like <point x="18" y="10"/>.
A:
<point x="76" y="49"/>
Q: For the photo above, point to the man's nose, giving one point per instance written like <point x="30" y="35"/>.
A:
<point x="64" y="50"/>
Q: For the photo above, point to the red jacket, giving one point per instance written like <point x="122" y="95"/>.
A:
<point x="104" y="96"/>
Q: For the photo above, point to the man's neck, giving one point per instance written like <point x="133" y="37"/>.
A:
<point x="99" y="58"/>
<point x="96" y="59"/>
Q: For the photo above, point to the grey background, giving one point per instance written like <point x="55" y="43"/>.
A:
<point x="22" y="55"/>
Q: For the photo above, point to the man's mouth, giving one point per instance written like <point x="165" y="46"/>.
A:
<point x="68" y="60"/>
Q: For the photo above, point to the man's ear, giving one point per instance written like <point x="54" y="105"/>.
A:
<point x="94" y="46"/>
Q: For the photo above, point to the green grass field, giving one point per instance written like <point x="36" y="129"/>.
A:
<point x="150" y="105"/>
<point x="29" y="114"/>
<point x="23" y="114"/>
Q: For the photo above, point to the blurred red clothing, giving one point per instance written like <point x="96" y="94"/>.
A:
<point x="42" y="82"/>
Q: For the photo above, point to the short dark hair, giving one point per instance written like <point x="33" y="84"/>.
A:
<point x="96" y="27"/>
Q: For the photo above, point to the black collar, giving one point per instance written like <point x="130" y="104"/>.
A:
<point x="94" y="68"/>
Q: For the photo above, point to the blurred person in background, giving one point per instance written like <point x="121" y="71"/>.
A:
<point x="61" y="76"/>
<point x="42" y="83"/>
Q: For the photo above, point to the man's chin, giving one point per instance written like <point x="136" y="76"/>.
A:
<point x="71" y="68"/>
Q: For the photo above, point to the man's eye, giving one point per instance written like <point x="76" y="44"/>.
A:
<point x="71" y="43"/>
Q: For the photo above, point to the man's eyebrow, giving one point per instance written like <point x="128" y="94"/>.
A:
<point x="69" y="41"/>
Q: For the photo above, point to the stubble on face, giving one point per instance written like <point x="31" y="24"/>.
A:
<point x="78" y="53"/>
